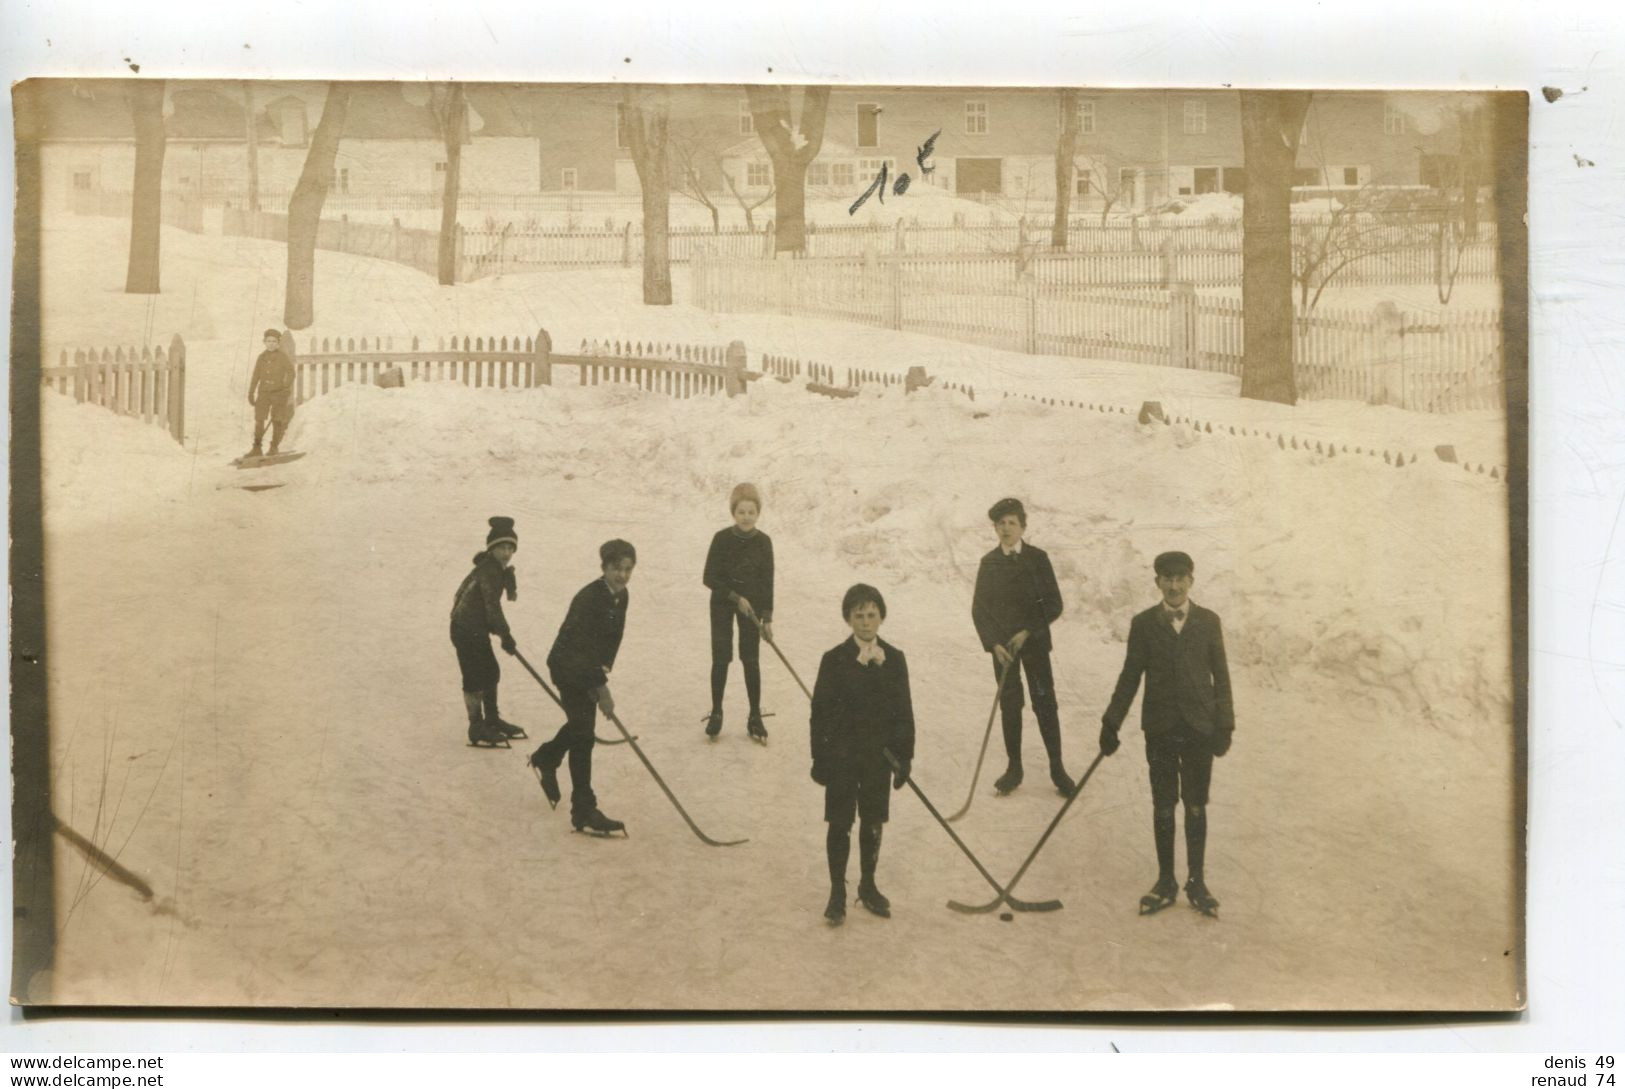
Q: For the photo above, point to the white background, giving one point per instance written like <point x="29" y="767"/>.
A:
<point x="1577" y="588"/>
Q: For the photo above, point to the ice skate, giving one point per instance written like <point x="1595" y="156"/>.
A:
<point x="1163" y="893"/>
<point x="756" y="728"/>
<point x="547" y="773"/>
<point x="1201" y="899"/>
<point x="1064" y="783"/>
<point x="835" y="910"/>
<point x="482" y="735"/>
<point x="872" y="899"/>
<point x="509" y="730"/>
<point x="713" y="724"/>
<point x="593" y="822"/>
<point x="1011" y="779"/>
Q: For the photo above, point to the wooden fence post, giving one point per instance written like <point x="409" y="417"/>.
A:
<point x="1030" y="339"/>
<point x="1387" y="362"/>
<point x="541" y="360"/>
<point x="626" y="245"/>
<point x="1182" y="325"/>
<point x="1167" y="273"/>
<point x="916" y="378"/>
<point x="734" y="368"/>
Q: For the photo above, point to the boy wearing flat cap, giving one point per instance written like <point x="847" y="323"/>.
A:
<point x="1187" y="716"/>
<point x="476" y="615"/>
<point x="271" y="391"/>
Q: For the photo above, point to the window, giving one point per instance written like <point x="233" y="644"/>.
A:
<point x="869" y="169"/>
<point x="842" y="175"/>
<point x="343" y="182"/>
<point x="567" y="178"/>
<point x="623" y="138"/>
<point x="868" y="124"/>
<point x="440" y="167"/>
<point x="758" y="175"/>
<point x="1195" y="116"/>
<point x="976" y="119"/>
<point x="81" y="179"/>
<point x="1206" y="179"/>
<point x="1126" y="186"/>
<point x="1235" y="179"/>
<point x="1393" y="120"/>
<point x="818" y="174"/>
<point x="1351" y="175"/>
<point x="1086" y="118"/>
<point x="1082" y="188"/>
<point x="747" y="123"/>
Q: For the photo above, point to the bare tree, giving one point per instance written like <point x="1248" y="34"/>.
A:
<point x="791" y="146"/>
<point x="449" y="104"/>
<point x="305" y="207"/>
<point x="1066" y="152"/>
<point x="146" y="201"/>
<point x="686" y="149"/>
<point x="648" y="118"/>
<point x="1271" y="125"/>
<point x="747" y="205"/>
<point x="1352" y="233"/>
<point x="253" y="136"/>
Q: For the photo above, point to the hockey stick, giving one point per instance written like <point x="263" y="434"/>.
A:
<point x="1077" y="790"/>
<point x="692" y="827"/>
<point x="554" y="696"/>
<point x="1004" y="896"/>
<point x="1004" y="675"/>
<point x="780" y="653"/>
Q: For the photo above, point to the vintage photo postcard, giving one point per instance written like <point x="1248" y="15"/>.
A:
<point x="768" y="548"/>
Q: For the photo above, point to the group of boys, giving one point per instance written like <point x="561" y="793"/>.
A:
<point x="862" y="725"/>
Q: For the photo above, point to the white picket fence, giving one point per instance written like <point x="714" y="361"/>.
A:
<point x="1446" y="363"/>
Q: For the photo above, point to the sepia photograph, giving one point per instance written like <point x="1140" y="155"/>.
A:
<point x="769" y="547"/>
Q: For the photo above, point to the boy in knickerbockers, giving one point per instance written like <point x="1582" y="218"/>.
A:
<point x="1187" y="716"/>
<point x="476" y="615"/>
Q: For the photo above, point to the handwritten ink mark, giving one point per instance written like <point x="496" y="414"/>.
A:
<point x="923" y="152"/>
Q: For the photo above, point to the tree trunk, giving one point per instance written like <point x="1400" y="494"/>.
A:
<point x="146" y="203"/>
<point x="452" y="127"/>
<point x="790" y="148"/>
<point x="1270" y="124"/>
<point x="647" y="120"/>
<point x="305" y="208"/>
<point x="1472" y="168"/>
<point x="253" y="202"/>
<point x="1066" y="149"/>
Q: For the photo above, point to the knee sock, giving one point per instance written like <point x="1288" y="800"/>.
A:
<point x="1195" y="839"/>
<point x="471" y="701"/>
<point x="753" y="685"/>
<point x="1162" y="825"/>
<point x="838" y="846"/>
<point x="719" y="683"/>
<point x="869" y="850"/>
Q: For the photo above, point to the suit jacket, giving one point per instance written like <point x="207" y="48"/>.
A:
<point x="272" y="380"/>
<point x="590" y="637"/>
<point x="1186" y="675"/>
<point x="857" y="710"/>
<point x="738" y="566"/>
<point x="1015" y="593"/>
<point x="477" y="608"/>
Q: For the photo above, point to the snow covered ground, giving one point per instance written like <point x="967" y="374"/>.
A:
<point x="255" y="704"/>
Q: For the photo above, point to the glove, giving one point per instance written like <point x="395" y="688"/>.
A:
<point x="899" y="778"/>
<point x="1221" y="742"/>
<point x="820" y="774"/>
<point x="509" y="645"/>
<point x="1109" y="742"/>
<point x="510" y="584"/>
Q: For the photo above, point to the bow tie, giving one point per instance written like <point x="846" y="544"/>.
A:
<point x="1175" y="615"/>
<point x="871" y="654"/>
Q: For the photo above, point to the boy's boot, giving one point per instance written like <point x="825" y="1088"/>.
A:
<point x="546" y="767"/>
<point x="756" y="728"/>
<point x="276" y="436"/>
<point x="1010" y="722"/>
<point x="837" y="847"/>
<point x="494" y="719"/>
<point x="719" y="685"/>
<point x="479" y="731"/>
<point x="1011" y="778"/>
<point x="594" y="821"/>
<point x="1049" y="728"/>
<point x="753" y="691"/>
<point x="868" y="855"/>
<point x="1196" y="890"/>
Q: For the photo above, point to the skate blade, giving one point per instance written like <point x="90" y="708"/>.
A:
<point x="832" y="923"/>
<point x="1150" y="905"/>
<point x="600" y="835"/>
<point x="489" y="745"/>
<point x="552" y="802"/>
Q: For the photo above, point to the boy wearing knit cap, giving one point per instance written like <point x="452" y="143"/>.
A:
<point x="1015" y="602"/>
<point x="271" y="392"/>
<point x="861" y="710"/>
<point x="1187" y="716"/>
<point x="739" y="574"/>
<point x="583" y="654"/>
<point x="476" y="615"/>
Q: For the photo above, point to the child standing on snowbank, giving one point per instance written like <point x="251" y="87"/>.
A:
<point x="271" y="391"/>
<point x="861" y="709"/>
<point x="476" y="615"/>
<point x="1015" y="601"/>
<point x="1187" y="716"/>
<point x="580" y="661"/>
<point x="739" y="574"/>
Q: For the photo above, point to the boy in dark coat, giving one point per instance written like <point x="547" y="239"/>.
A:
<point x="739" y="573"/>
<point x="476" y="615"/>
<point x="271" y="392"/>
<point x="580" y="661"/>
<point x="1187" y="716"/>
<point x="1015" y="602"/>
<point x="861" y="709"/>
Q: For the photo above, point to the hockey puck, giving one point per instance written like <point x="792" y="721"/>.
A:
<point x="1006" y="916"/>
